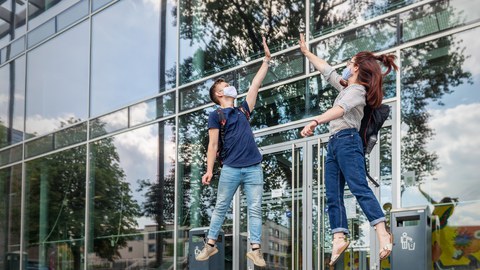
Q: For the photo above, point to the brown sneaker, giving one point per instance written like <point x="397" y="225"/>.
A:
<point x="206" y="253"/>
<point x="257" y="257"/>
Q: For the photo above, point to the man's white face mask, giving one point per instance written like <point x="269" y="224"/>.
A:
<point x="230" y="91"/>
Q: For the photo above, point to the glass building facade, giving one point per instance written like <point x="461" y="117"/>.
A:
<point x="103" y="128"/>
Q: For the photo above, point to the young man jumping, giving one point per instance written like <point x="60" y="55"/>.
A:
<point x="241" y="161"/>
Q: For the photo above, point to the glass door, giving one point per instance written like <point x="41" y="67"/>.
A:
<point x="296" y="231"/>
<point x="282" y="210"/>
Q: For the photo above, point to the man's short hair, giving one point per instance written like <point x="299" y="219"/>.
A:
<point x="213" y="97"/>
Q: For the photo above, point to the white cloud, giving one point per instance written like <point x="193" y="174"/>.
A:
<point x="456" y="141"/>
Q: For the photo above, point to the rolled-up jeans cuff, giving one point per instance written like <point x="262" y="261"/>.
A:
<point x="378" y="220"/>
<point x="337" y="230"/>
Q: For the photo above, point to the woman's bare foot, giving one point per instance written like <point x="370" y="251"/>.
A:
<point x="385" y="240"/>
<point x="340" y="244"/>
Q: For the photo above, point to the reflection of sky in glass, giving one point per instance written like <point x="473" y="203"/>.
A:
<point x="125" y="54"/>
<point x="20" y="27"/>
<point x="57" y="81"/>
<point x="139" y="156"/>
<point x="456" y="127"/>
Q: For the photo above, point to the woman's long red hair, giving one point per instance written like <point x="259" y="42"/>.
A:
<point x="370" y="74"/>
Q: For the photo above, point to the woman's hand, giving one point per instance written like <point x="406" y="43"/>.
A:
<point x="303" y="46"/>
<point x="268" y="56"/>
<point x="308" y="129"/>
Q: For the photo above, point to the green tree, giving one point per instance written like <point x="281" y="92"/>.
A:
<point x="56" y="188"/>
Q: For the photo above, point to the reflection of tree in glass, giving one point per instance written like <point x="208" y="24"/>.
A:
<point x="160" y="198"/>
<point x="229" y="32"/>
<point x="57" y="202"/>
<point x="430" y="71"/>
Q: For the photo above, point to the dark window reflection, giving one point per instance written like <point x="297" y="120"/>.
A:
<point x="55" y="210"/>
<point x="37" y="7"/>
<point x="437" y="16"/>
<point x="11" y="155"/>
<point x="12" y="20"/>
<point x="12" y="98"/>
<point x="440" y="110"/>
<point x="10" y="207"/>
<point x="290" y="102"/>
<point x="126" y="48"/>
<point x="212" y="41"/>
<point x="58" y="82"/>
<point x="132" y="177"/>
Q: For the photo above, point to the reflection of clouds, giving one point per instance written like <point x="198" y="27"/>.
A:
<point x="40" y="125"/>
<point x="140" y="113"/>
<point x="138" y="152"/>
<point x="456" y="143"/>
<point x="465" y="215"/>
<point x="155" y="4"/>
<point x="471" y="63"/>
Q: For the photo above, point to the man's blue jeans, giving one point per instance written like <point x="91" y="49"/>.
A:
<point x="252" y="180"/>
<point x="346" y="163"/>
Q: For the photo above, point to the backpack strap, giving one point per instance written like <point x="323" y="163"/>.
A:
<point x="245" y="112"/>
<point x="223" y="121"/>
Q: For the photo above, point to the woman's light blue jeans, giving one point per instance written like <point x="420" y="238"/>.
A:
<point x="346" y="163"/>
<point x="230" y="179"/>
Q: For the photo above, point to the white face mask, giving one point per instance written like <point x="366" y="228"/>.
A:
<point x="230" y="91"/>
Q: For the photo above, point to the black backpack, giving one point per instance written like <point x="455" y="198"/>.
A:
<point x="221" y="153"/>
<point x="372" y="122"/>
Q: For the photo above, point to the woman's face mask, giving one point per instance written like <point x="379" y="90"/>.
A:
<point x="230" y="91"/>
<point x="347" y="73"/>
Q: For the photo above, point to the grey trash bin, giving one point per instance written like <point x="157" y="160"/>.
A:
<point x="196" y="243"/>
<point x="412" y="235"/>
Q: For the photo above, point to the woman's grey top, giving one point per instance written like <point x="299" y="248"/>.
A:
<point x="350" y="98"/>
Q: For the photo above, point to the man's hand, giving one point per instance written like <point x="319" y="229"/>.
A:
<point x="303" y="46"/>
<point x="207" y="177"/>
<point x="308" y="129"/>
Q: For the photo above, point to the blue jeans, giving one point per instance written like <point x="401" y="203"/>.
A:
<point x="345" y="163"/>
<point x="230" y="179"/>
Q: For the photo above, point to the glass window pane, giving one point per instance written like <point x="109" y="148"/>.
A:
<point x="11" y="30"/>
<point x="12" y="98"/>
<point x="54" y="101"/>
<point x="212" y="41"/>
<point x="293" y="101"/>
<point x="152" y="109"/>
<point x="96" y="4"/>
<point x="133" y="196"/>
<point x="70" y="136"/>
<point x="195" y="202"/>
<point x="41" y="33"/>
<point x="10" y="209"/>
<point x="281" y="68"/>
<point x="72" y="15"/>
<point x="438" y="16"/>
<point x="55" y="209"/>
<point x="374" y="37"/>
<point x="16" y="47"/>
<point x="41" y="10"/>
<point x="125" y="53"/>
<point x="11" y="155"/>
<point x="39" y="146"/>
<point x="439" y="139"/>
<point x="327" y="17"/>
<point x="109" y="123"/>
